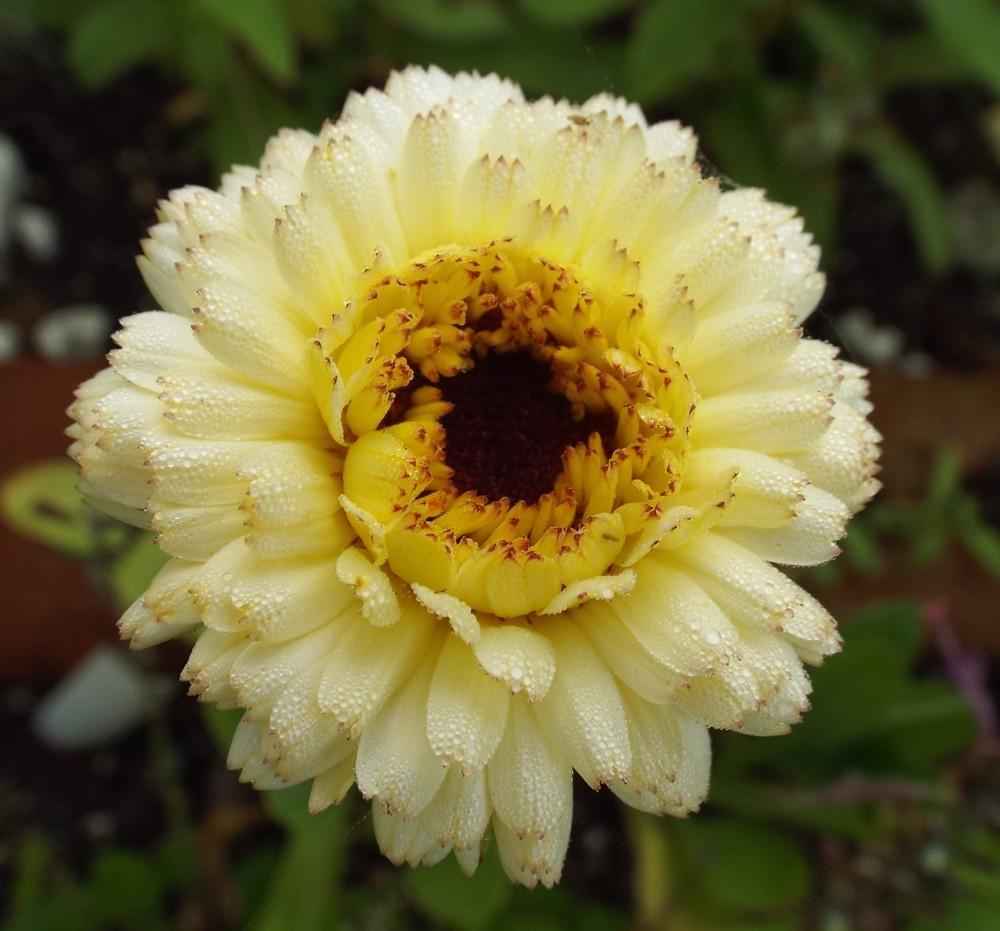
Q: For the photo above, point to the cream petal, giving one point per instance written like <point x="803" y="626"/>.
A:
<point x="347" y="176"/>
<point x="583" y="709"/>
<point x="220" y="408"/>
<point x="766" y="491"/>
<point x="725" y="698"/>
<point x="784" y="685"/>
<point x="531" y="786"/>
<point x="301" y="489"/>
<point x="671" y="760"/>
<point x="168" y="594"/>
<point x="325" y="536"/>
<point x="331" y="787"/>
<point x="245" y="743"/>
<point x="264" y="669"/>
<point x="781" y="421"/>
<point x="811" y="366"/>
<point x="532" y="860"/>
<point x="466" y="709"/>
<point x="808" y="539"/>
<point x="625" y="656"/>
<point x="261" y="776"/>
<point x="196" y="533"/>
<point x="783" y="257"/>
<point x="518" y="656"/>
<point x="456" y="819"/>
<point x="493" y="188"/>
<point x="396" y="765"/>
<point x="675" y="621"/>
<point x="599" y="588"/>
<point x="429" y="175"/>
<point x="844" y="459"/>
<point x="233" y="325"/>
<point x="280" y="601"/>
<point x="153" y="344"/>
<point x="756" y="594"/>
<point x="462" y="618"/>
<point x="301" y="739"/>
<point x="370" y="663"/>
<point x="143" y="628"/>
<point x="394" y="833"/>
<point x="731" y="348"/>
<point x="379" y="603"/>
<point x="208" y="666"/>
<point x="671" y="140"/>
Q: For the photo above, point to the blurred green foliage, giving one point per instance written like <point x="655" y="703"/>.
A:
<point x="785" y="90"/>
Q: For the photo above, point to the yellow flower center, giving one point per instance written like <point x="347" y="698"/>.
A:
<point x="514" y="440"/>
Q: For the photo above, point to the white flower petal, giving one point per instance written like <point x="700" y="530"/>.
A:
<point x="370" y="663"/>
<point x="583" y="709"/>
<point x="519" y="657"/>
<point x="396" y="765"/>
<point x="466" y="709"/>
<point x="671" y="760"/>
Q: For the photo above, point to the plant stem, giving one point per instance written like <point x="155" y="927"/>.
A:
<point x="651" y="875"/>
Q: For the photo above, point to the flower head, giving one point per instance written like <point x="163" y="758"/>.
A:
<point x="474" y="427"/>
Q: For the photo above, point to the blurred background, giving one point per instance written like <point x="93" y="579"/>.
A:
<point x="879" y="119"/>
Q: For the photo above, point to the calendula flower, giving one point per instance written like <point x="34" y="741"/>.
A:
<point x="474" y="428"/>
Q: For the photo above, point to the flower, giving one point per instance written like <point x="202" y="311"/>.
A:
<point x="473" y="428"/>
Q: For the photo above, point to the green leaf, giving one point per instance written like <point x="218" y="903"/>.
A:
<point x="264" y="27"/>
<point x="535" y="58"/>
<point x="59" y="14"/>
<point x="315" y="21"/>
<point x="677" y="41"/>
<point x="449" y="21"/>
<point x="556" y="910"/>
<point x="70" y="908"/>
<point x="304" y="891"/>
<point x="783" y="805"/>
<point x="127" y="888"/>
<point x="132" y="571"/>
<point x="115" y="36"/>
<point x="971" y="28"/>
<point x="246" y="113"/>
<point x="929" y="544"/>
<point x="920" y="58"/>
<point x="927" y="723"/>
<point x="745" y="866"/>
<point x="839" y="36"/>
<point x="253" y="872"/>
<point x="42" y="502"/>
<point x="290" y="807"/>
<point x="861" y="547"/>
<point x="204" y="56"/>
<point x="573" y="12"/>
<point x="946" y="479"/>
<point x="739" y="138"/>
<point x="983" y="542"/>
<point x="445" y="894"/>
<point x="177" y="858"/>
<point x="905" y="170"/>
<point x="34" y="858"/>
<point x="961" y="914"/>
<point x="221" y="725"/>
